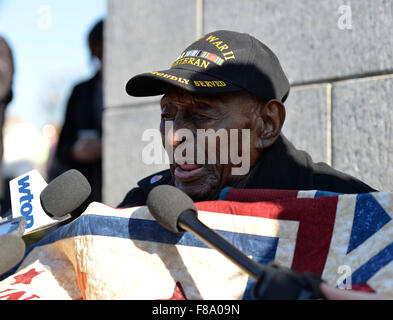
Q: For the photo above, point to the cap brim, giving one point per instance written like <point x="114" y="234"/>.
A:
<point x="154" y="83"/>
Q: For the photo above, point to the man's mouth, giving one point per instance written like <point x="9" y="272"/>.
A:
<point x="188" y="172"/>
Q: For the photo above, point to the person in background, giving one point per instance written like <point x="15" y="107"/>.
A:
<point x="6" y="79"/>
<point x="79" y="146"/>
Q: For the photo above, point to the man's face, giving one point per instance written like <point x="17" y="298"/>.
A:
<point x="193" y="111"/>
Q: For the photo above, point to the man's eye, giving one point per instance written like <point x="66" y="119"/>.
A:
<point x="166" y="116"/>
<point x="201" y="116"/>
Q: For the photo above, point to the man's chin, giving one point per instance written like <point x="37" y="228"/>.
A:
<point x="200" y="183"/>
<point x="198" y="191"/>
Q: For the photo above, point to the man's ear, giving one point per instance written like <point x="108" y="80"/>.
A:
<point x="271" y="120"/>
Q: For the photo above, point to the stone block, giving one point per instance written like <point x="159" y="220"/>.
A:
<point x="143" y="36"/>
<point x="306" y="123"/>
<point x="123" y="164"/>
<point x="363" y="130"/>
<point x="308" y="35"/>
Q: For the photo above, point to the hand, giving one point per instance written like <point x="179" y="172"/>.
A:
<point x="87" y="150"/>
<point x="338" y="294"/>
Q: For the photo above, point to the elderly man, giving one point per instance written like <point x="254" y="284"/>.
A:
<point x="229" y="80"/>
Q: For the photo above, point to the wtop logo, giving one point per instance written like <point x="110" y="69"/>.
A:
<point x="26" y="198"/>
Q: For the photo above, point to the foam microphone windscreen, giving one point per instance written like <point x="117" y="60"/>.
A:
<point x="166" y="204"/>
<point x="12" y="250"/>
<point x="65" y="193"/>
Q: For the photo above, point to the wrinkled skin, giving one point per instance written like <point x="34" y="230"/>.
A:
<point x="235" y="110"/>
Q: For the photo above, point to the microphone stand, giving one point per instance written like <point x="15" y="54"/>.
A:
<point x="273" y="282"/>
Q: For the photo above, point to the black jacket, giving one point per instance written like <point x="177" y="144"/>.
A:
<point x="84" y="111"/>
<point x="281" y="166"/>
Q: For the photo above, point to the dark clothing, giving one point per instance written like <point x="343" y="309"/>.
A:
<point x="84" y="111"/>
<point x="281" y="166"/>
<point x="6" y="81"/>
<point x="6" y="71"/>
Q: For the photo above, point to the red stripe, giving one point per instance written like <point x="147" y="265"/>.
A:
<point x="255" y="195"/>
<point x="316" y="217"/>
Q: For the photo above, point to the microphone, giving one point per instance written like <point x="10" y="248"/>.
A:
<point x="176" y="212"/>
<point x="45" y="204"/>
<point x="56" y="201"/>
<point x="12" y="246"/>
<point x="12" y="250"/>
<point x="65" y="193"/>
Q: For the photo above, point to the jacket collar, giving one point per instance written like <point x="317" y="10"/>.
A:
<point x="157" y="179"/>
<point x="281" y="166"/>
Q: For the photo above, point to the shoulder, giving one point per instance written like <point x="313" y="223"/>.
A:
<point x="323" y="176"/>
<point x="326" y="177"/>
<point x="134" y="197"/>
<point x="85" y="84"/>
<point x="138" y="196"/>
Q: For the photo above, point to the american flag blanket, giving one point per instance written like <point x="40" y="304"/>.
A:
<point x="110" y="253"/>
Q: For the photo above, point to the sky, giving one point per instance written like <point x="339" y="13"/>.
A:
<point x="49" y="43"/>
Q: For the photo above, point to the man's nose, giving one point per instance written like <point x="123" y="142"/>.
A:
<point x="178" y="132"/>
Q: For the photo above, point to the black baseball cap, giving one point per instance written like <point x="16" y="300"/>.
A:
<point x="221" y="61"/>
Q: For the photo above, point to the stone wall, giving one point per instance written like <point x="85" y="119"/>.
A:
<point x="337" y="54"/>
